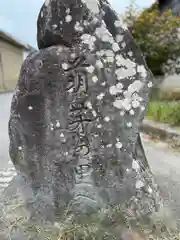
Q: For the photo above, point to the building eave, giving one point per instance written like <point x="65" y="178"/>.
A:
<point x="9" y="38"/>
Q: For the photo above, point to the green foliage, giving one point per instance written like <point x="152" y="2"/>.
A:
<point x="166" y="112"/>
<point x="156" y="33"/>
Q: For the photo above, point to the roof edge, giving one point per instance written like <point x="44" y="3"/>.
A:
<point x="6" y="36"/>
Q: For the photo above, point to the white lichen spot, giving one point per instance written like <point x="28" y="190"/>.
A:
<point x="139" y="184"/>
<point x="109" y="146"/>
<point x="122" y="113"/>
<point x="68" y="18"/>
<point x="58" y="124"/>
<point x="30" y="108"/>
<point x="62" y="135"/>
<point x="150" y="84"/>
<point x="132" y="112"/>
<point x="123" y="73"/>
<point x="118" y="23"/>
<point x="119" y="145"/>
<point x="115" y="47"/>
<point x="150" y="190"/>
<point x="121" y="61"/>
<point x="107" y="119"/>
<point x="99" y="64"/>
<point x="47" y="2"/>
<point x="109" y="56"/>
<point x="129" y="124"/>
<point x="127" y="170"/>
<point x="135" y="87"/>
<point x="68" y="10"/>
<point x="135" y="166"/>
<point x="65" y="66"/>
<point x="89" y="105"/>
<point x="100" y="96"/>
<point x="99" y="126"/>
<point x="130" y="53"/>
<point x="112" y="90"/>
<point x="66" y="153"/>
<point x="141" y="69"/>
<point x="93" y="6"/>
<point x="103" y="83"/>
<point x="52" y="129"/>
<point x="89" y="40"/>
<point x="90" y="69"/>
<point x="119" y="86"/>
<point x="78" y="27"/>
<point x="54" y="26"/>
<point x="85" y="23"/>
<point x="122" y="104"/>
<point x="135" y="104"/>
<point x="123" y="44"/>
<point x="136" y="97"/>
<point x="126" y="105"/>
<point x="109" y="53"/>
<point x="42" y="14"/>
<point x="73" y="55"/>
<point x="103" y="34"/>
<point x="118" y="102"/>
<point x="19" y="148"/>
<point x="59" y="49"/>
<point x="119" y="38"/>
<point x="94" y="113"/>
<point x="100" y="53"/>
<point x="95" y="20"/>
<point x="95" y="79"/>
<point x="143" y="108"/>
<point x="71" y="90"/>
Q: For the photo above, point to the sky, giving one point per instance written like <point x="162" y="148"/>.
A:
<point x="18" y="18"/>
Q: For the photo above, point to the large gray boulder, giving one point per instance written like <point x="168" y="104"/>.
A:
<point x="76" y="114"/>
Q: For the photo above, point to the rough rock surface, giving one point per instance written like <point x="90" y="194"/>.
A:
<point x="76" y="113"/>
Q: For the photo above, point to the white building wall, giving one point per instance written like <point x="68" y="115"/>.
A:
<point x="25" y="54"/>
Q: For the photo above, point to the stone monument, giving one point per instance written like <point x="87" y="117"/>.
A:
<point x="76" y="114"/>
